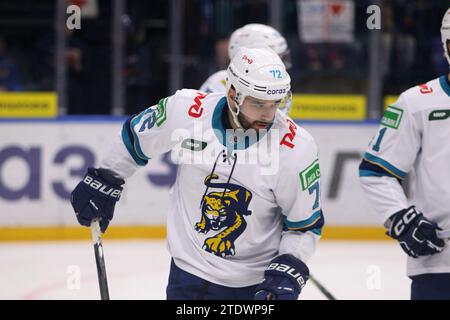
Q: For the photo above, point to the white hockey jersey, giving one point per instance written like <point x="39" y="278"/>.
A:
<point x="414" y="138"/>
<point x="237" y="202"/>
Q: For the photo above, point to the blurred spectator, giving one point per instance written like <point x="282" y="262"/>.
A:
<point x="138" y="71"/>
<point x="440" y="64"/>
<point x="221" y="50"/>
<point x="9" y="75"/>
<point x="324" y="54"/>
<point x="44" y="68"/>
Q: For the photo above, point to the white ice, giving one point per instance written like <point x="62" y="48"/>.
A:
<point x="139" y="269"/>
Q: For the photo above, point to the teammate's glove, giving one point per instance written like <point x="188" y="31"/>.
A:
<point x="95" y="197"/>
<point x="415" y="233"/>
<point x="284" y="279"/>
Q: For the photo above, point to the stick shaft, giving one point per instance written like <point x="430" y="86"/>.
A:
<point x="321" y="288"/>
<point x="100" y="260"/>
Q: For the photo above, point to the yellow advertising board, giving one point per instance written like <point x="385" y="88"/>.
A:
<point x="389" y="101"/>
<point x="28" y="104"/>
<point x="328" y="107"/>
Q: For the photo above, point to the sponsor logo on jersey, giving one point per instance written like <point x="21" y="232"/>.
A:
<point x="288" y="138"/>
<point x="424" y="89"/>
<point x="196" y="110"/>
<point x="439" y="115"/>
<point x="310" y="175"/>
<point x="194" y="145"/>
<point x="392" y="117"/>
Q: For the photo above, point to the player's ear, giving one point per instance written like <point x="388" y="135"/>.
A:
<point x="231" y="93"/>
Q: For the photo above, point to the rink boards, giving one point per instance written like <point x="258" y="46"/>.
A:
<point x="42" y="160"/>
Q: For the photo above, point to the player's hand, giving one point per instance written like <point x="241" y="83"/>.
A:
<point x="284" y="279"/>
<point x="96" y="196"/>
<point x="415" y="233"/>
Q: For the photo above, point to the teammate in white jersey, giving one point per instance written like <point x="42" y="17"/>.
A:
<point x="245" y="212"/>
<point x="414" y="138"/>
<point x="251" y="35"/>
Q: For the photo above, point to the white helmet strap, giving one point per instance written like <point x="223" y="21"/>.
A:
<point x="234" y="115"/>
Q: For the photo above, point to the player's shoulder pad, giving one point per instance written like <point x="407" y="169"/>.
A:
<point x="417" y="98"/>
<point x="297" y="145"/>
<point x="193" y="104"/>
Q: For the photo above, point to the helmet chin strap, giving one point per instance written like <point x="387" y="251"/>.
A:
<point x="234" y="115"/>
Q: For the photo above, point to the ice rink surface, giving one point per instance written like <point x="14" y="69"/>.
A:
<point x="139" y="269"/>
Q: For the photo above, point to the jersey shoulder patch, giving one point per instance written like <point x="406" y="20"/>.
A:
<point x="420" y="97"/>
<point x="292" y="134"/>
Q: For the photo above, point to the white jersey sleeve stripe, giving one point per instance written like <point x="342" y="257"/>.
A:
<point x="314" y="223"/>
<point x="385" y="165"/>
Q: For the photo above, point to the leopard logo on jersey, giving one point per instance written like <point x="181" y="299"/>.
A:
<point x="223" y="211"/>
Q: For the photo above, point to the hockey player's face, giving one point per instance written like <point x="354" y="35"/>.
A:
<point x="257" y="114"/>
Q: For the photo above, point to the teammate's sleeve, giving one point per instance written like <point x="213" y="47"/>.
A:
<point x="147" y="134"/>
<point x="390" y="156"/>
<point x="206" y="86"/>
<point x="215" y="83"/>
<point x="298" y="195"/>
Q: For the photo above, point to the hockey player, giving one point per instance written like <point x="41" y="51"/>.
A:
<point x="250" y="35"/>
<point x="414" y="137"/>
<point x="234" y="231"/>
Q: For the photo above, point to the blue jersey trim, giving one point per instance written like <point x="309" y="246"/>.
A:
<point x="368" y="169"/>
<point x="443" y="80"/>
<point x="137" y="145"/>
<point x="217" y="120"/>
<point x="385" y="165"/>
<point x="370" y="173"/>
<point x="221" y="133"/>
<point x="314" y="223"/>
<point x="129" y="144"/>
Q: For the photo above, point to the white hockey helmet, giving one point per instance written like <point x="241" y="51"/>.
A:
<point x="445" y="33"/>
<point x="258" y="73"/>
<point x="259" y="35"/>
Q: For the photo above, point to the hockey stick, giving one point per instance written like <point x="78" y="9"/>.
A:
<point x="322" y="289"/>
<point x="99" y="259"/>
<point x="443" y="234"/>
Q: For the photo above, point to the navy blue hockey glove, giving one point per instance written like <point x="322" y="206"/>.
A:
<point x="95" y="197"/>
<point x="415" y="233"/>
<point x="284" y="279"/>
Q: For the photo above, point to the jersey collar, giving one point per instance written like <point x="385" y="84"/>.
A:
<point x="229" y="138"/>
<point x="443" y="80"/>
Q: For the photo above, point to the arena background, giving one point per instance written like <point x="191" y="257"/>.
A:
<point x="64" y="93"/>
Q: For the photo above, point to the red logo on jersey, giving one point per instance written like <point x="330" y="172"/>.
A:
<point x="250" y="61"/>
<point x="196" y="110"/>
<point x="290" y="135"/>
<point x="425" y="89"/>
